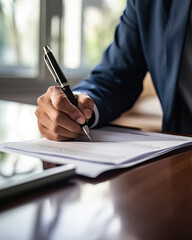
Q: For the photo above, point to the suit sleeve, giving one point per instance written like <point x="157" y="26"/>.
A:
<point x="116" y="82"/>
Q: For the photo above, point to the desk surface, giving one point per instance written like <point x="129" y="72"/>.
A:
<point x="149" y="201"/>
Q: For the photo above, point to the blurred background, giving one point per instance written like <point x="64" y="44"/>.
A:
<point x="77" y="31"/>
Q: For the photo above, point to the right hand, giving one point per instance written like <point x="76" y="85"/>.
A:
<point x="60" y="120"/>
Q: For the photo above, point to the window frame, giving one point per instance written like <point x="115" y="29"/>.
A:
<point x="9" y="84"/>
<point x="39" y="84"/>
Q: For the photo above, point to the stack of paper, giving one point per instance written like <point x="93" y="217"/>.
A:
<point x="112" y="148"/>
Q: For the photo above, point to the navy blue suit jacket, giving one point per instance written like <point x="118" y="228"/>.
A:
<point x="150" y="37"/>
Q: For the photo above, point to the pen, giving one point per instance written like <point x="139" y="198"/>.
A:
<point x="60" y="78"/>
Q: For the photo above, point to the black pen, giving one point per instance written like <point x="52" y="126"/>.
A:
<point x="60" y="78"/>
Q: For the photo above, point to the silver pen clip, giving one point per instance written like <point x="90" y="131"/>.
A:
<point x="51" y="69"/>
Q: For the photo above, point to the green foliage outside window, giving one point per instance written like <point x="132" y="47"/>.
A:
<point x="100" y="35"/>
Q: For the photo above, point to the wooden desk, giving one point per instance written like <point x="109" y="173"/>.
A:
<point x="146" y="115"/>
<point x="151" y="201"/>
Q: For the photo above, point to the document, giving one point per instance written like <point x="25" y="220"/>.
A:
<point x="112" y="148"/>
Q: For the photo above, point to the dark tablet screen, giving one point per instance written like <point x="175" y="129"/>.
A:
<point x="19" y="173"/>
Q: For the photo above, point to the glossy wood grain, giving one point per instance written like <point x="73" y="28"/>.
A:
<point x="150" y="201"/>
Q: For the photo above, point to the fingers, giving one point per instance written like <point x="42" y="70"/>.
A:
<point x="57" y="133"/>
<point x="85" y="104"/>
<point x="58" y="119"/>
<point x="48" y="127"/>
<point x="48" y="115"/>
<point x="62" y="103"/>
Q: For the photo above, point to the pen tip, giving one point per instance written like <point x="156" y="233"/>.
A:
<point x="87" y="132"/>
<point x="89" y="137"/>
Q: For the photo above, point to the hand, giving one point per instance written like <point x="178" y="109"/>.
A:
<point x="58" y="119"/>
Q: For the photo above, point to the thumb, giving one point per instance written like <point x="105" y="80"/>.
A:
<point x="85" y="104"/>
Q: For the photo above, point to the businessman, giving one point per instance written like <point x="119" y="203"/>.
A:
<point x="152" y="35"/>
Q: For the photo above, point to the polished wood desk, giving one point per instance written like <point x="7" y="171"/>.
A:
<point x="150" y="201"/>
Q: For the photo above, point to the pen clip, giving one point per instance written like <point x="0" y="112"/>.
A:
<point x="49" y="66"/>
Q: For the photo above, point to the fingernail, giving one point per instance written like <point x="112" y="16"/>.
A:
<point x="87" y="112"/>
<point x="80" y="120"/>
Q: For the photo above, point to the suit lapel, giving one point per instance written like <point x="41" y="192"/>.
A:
<point x="176" y="29"/>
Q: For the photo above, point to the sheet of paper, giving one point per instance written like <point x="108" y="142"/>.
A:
<point x="111" y="148"/>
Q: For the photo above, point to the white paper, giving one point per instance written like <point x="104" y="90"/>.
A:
<point x="111" y="148"/>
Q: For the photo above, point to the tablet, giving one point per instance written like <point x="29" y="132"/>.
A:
<point x="20" y="173"/>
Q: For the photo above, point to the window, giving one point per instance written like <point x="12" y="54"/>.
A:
<point x="88" y="29"/>
<point x="77" y="31"/>
<point x="19" y="37"/>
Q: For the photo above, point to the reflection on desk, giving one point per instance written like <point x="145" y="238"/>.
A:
<point x="152" y="201"/>
<point x="17" y="121"/>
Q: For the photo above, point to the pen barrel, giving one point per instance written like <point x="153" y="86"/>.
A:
<point x="59" y="73"/>
<point x="72" y="99"/>
<point x="70" y="95"/>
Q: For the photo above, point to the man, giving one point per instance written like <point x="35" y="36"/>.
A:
<point x="154" y="36"/>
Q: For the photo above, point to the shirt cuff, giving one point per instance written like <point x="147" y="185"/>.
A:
<point x="95" y="111"/>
